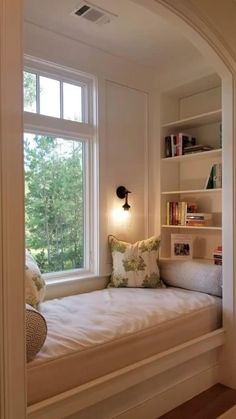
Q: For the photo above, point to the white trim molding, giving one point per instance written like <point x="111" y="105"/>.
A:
<point x="195" y="22"/>
<point x="190" y="361"/>
<point x="12" y="301"/>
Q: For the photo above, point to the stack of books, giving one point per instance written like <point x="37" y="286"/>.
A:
<point x="217" y="255"/>
<point x="198" y="219"/>
<point x="198" y="148"/>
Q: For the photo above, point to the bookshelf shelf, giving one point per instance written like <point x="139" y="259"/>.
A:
<point x="192" y="191"/>
<point x="192" y="227"/>
<point x="204" y="154"/>
<point x="195" y="121"/>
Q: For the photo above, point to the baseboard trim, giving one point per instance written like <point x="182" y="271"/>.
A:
<point x="172" y="397"/>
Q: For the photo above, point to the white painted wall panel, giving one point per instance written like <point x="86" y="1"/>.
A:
<point x="126" y="141"/>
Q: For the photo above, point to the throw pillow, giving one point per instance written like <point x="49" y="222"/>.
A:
<point x="192" y="275"/>
<point x="34" y="282"/>
<point x="36" y="332"/>
<point x="135" y="265"/>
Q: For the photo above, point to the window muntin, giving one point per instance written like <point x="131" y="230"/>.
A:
<point x="55" y="201"/>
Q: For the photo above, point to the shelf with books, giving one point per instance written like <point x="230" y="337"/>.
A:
<point x="191" y="169"/>
<point x="217" y="228"/>
<point x="196" y="120"/>
<point x="191" y="191"/>
<point x="198" y="155"/>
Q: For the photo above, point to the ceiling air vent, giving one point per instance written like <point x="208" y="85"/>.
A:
<point x="94" y="14"/>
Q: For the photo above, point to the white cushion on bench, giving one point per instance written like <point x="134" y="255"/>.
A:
<point x="93" y="334"/>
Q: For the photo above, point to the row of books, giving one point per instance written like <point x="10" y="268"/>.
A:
<point x="176" y="144"/>
<point x="217" y="255"/>
<point x="184" y="214"/>
<point x="215" y="177"/>
<point x="176" y="213"/>
<point x="179" y="144"/>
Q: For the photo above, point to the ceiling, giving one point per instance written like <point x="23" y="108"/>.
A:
<point x="136" y="34"/>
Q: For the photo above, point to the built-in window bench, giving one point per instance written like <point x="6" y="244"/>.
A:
<point x="120" y="350"/>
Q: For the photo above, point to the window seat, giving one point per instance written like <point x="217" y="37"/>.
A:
<point x="91" y="335"/>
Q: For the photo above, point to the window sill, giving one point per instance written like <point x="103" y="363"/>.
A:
<point x="58" y="288"/>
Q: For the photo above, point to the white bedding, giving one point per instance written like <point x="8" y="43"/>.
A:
<point x="91" y="335"/>
<point x="79" y="322"/>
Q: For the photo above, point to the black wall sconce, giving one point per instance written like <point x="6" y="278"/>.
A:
<point x="122" y="193"/>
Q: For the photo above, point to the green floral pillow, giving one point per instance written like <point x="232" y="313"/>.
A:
<point x="135" y="265"/>
<point x="34" y="282"/>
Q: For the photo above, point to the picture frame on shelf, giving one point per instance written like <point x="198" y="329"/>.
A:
<point x="181" y="246"/>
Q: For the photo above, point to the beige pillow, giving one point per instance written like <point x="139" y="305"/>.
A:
<point x="192" y="275"/>
<point x="36" y="332"/>
<point x="34" y="282"/>
<point x="135" y="265"/>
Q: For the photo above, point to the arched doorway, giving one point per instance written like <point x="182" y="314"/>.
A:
<point x="187" y="16"/>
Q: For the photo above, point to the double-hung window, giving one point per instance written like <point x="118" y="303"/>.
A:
<point x="60" y="169"/>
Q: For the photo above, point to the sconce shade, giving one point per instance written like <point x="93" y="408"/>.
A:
<point x="121" y="192"/>
<point x="126" y="206"/>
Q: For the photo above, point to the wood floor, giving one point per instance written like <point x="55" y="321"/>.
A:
<point x="207" y="405"/>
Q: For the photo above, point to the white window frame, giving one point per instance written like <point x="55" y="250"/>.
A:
<point x="86" y="132"/>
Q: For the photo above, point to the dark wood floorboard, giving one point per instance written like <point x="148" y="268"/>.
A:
<point x="207" y="405"/>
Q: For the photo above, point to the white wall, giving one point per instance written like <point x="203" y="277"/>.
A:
<point x="126" y="139"/>
<point x="123" y="96"/>
<point x="53" y="47"/>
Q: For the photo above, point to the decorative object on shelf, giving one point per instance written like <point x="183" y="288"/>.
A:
<point x="214" y="180"/>
<point x="122" y="193"/>
<point x="181" y="246"/>
<point x="217" y="255"/>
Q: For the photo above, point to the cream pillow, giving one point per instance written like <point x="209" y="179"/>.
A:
<point x="135" y="265"/>
<point x="192" y="275"/>
<point x="36" y="332"/>
<point x="34" y="282"/>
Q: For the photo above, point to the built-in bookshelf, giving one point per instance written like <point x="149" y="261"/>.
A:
<point x="184" y="177"/>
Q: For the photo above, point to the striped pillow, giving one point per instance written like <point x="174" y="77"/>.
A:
<point x="36" y="332"/>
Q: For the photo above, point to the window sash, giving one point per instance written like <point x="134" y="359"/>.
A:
<point x="37" y="123"/>
<point x="63" y="74"/>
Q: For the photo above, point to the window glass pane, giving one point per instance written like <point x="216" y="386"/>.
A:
<point x="54" y="185"/>
<point x="49" y="97"/>
<point x="29" y="92"/>
<point x="72" y="102"/>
